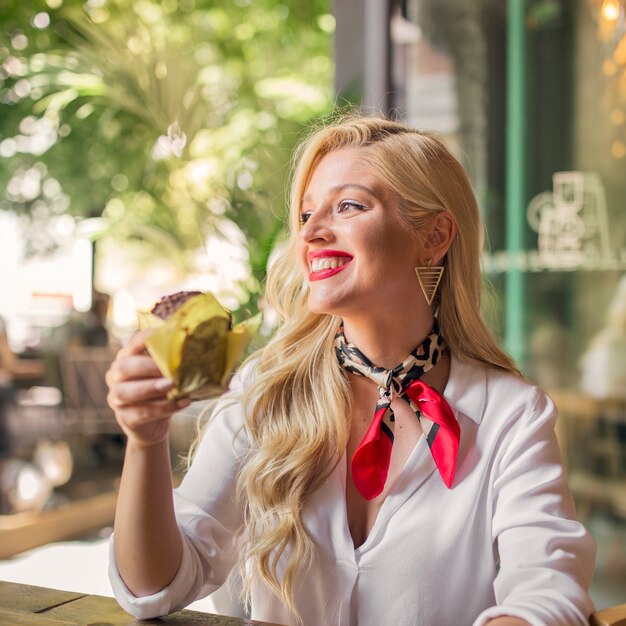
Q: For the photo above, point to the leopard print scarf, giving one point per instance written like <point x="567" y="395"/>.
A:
<point x="370" y="463"/>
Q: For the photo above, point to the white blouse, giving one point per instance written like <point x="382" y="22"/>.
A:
<point x="502" y="541"/>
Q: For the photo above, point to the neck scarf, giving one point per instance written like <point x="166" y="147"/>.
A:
<point x="370" y="463"/>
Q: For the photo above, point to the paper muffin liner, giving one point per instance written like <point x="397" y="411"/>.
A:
<point x="197" y="347"/>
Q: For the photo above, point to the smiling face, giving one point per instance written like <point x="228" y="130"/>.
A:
<point x="356" y="251"/>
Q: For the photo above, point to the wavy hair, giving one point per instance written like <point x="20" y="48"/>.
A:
<point x="298" y="404"/>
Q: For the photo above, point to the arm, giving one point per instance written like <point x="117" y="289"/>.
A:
<point x="545" y="556"/>
<point x="170" y="548"/>
<point x="148" y="545"/>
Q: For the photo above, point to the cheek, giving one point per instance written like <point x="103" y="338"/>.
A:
<point x="405" y="244"/>
<point x="400" y="258"/>
<point x="392" y="246"/>
<point x="301" y="252"/>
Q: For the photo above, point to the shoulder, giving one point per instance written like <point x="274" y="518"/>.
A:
<point x="489" y="394"/>
<point x="504" y="417"/>
<point x="517" y="390"/>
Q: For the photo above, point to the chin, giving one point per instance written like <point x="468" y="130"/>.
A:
<point x="322" y="306"/>
<point x="316" y="307"/>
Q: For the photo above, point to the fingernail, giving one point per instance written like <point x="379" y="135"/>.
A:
<point x="163" y="383"/>
<point x="183" y="402"/>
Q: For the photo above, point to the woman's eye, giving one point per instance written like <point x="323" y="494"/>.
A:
<point x="347" y="205"/>
<point x="304" y="218"/>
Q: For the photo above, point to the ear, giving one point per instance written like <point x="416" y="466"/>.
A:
<point x="439" y="235"/>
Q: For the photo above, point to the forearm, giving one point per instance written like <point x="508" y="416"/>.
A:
<point x="148" y="545"/>
<point x="506" y="620"/>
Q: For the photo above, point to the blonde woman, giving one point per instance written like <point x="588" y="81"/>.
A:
<point x="380" y="461"/>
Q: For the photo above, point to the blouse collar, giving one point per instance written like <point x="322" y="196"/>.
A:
<point x="466" y="390"/>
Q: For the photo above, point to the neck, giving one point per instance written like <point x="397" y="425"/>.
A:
<point x="387" y="341"/>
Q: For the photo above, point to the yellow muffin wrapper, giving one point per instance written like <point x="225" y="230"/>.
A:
<point x="166" y="344"/>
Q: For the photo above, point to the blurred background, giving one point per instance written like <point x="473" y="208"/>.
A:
<point x="145" y="148"/>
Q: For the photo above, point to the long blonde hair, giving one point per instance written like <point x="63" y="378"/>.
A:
<point x="298" y="404"/>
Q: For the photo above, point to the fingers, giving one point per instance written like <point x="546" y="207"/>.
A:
<point x="133" y="367"/>
<point x="132" y="362"/>
<point x="136" y="344"/>
<point x="130" y="392"/>
<point x="138" y="393"/>
<point x="136" y="416"/>
<point x="143" y="411"/>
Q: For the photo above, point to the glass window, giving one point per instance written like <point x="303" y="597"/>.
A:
<point x="454" y="71"/>
<point x="531" y="96"/>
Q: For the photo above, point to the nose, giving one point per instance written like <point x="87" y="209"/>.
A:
<point x="317" y="227"/>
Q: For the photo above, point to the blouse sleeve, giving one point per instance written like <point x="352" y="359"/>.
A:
<point x="209" y="519"/>
<point x="546" y="557"/>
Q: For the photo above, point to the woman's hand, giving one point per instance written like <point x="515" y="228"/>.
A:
<point x="148" y="546"/>
<point x="138" y="394"/>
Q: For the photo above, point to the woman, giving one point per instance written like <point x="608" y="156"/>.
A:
<point x="353" y="483"/>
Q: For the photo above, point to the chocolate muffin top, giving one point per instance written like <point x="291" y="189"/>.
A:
<point x="168" y="304"/>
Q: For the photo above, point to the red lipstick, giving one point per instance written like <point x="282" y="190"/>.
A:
<point x="321" y="254"/>
<point x="331" y="271"/>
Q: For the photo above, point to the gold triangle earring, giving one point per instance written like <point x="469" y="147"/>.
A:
<point x="429" y="279"/>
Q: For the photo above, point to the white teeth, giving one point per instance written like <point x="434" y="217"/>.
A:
<point x="317" y="265"/>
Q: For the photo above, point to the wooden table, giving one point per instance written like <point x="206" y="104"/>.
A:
<point x="26" y="605"/>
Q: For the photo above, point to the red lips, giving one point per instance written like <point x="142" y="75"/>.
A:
<point x="331" y="271"/>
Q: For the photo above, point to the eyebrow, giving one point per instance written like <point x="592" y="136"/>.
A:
<point x="338" y="188"/>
